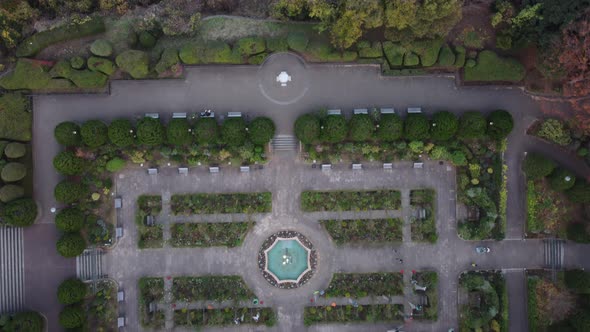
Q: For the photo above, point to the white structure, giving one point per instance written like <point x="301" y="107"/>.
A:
<point x="283" y="78"/>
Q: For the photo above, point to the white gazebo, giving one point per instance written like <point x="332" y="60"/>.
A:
<point x="283" y="78"/>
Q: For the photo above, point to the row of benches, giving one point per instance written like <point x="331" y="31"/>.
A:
<point x="212" y="169"/>
<point x="184" y="115"/>
<point x="383" y="110"/>
<point x="358" y="167"/>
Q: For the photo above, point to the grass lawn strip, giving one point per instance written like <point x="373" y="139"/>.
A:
<point x="188" y="204"/>
<point x="364" y="230"/>
<point x="350" y="200"/>
<point x="365" y="284"/>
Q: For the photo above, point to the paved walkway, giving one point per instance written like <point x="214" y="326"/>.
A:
<point x="236" y="88"/>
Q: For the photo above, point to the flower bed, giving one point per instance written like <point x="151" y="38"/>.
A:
<point x="151" y="290"/>
<point x="492" y="313"/>
<point x="102" y="308"/>
<point x="365" y="284"/>
<point x="149" y="236"/>
<point x="350" y="314"/>
<point x="188" y="204"/>
<point x="428" y="279"/>
<point x="424" y="229"/>
<point x="226" y="316"/>
<point x="364" y="230"/>
<point x="548" y="211"/>
<point x="229" y="234"/>
<point x="210" y="288"/>
<point x="350" y="200"/>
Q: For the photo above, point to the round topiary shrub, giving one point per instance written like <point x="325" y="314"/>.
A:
<point x="251" y="45"/>
<point x="416" y="127"/>
<point x="29" y="321"/>
<point x="233" y="131"/>
<point x="470" y="63"/>
<point x="10" y="192"/>
<point x="68" y="134"/>
<point x="116" y="164"/>
<point x="536" y="166"/>
<point x="15" y="150"/>
<point x="297" y="41"/>
<point x="71" y="291"/>
<point x="121" y="133"/>
<point x="134" y="62"/>
<point x="150" y="132"/>
<point x="101" y="47"/>
<point x="307" y="128"/>
<point x="562" y="180"/>
<point x="361" y="128"/>
<point x="69" y="220"/>
<point x="500" y="124"/>
<point x="94" y="133"/>
<point x="13" y="172"/>
<point x="579" y="193"/>
<point x="391" y="128"/>
<point x="67" y="163"/>
<point x="444" y="126"/>
<point x="206" y="131"/>
<point x="147" y="40"/>
<point x="72" y="317"/>
<point x="71" y="245"/>
<point x="472" y="125"/>
<point x="68" y="192"/>
<point x="334" y="129"/>
<point x="77" y="62"/>
<point x="261" y="130"/>
<point x="179" y="132"/>
<point x="21" y="212"/>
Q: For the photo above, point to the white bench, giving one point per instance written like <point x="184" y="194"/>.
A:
<point x="234" y="114"/>
<point x="207" y="114"/>
<point x="152" y="115"/>
<point x="244" y="169"/>
<point x="183" y="170"/>
<point x="118" y="203"/>
<point x="357" y="167"/>
<point x="120" y="296"/>
<point x="334" y="112"/>
<point x="418" y="165"/>
<point x="387" y="110"/>
<point x="326" y="167"/>
<point x="360" y="111"/>
<point x="414" y="110"/>
<point x="152" y="171"/>
<point x="179" y="115"/>
<point x="387" y="165"/>
<point x="119" y="232"/>
<point x="121" y="322"/>
<point x="214" y="169"/>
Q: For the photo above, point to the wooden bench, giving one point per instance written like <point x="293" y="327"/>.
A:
<point x="387" y="110"/>
<point x="419" y="165"/>
<point x="244" y="169"/>
<point x="360" y="111"/>
<point x="152" y="115"/>
<point x="118" y="202"/>
<point x="179" y="115"/>
<point x="234" y="114"/>
<point x="414" y="110"/>
<point x="334" y="112"/>
<point x="183" y="170"/>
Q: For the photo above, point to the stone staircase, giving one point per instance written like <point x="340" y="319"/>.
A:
<point x="89" y="265"/>
<point x="285" y="143"/>
<point x="12" y="271"/>
<point x="553" y="255"/>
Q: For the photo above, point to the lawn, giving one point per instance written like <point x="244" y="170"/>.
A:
<point x="490" y="68"/>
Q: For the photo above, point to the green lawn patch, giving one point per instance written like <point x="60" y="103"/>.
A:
<point x="423" y="229"/>
<point x="364" y="230"/>
<point x="350" y="200"/>
<point x="15" y="117"/>
<point x="490" y="67"/>
<point x="228" y="234"/>
<point x="224" y="317"/>
<point x="187" y="204"/>
<point x="211" y="288"/>
<point x="365" y="284"/>
<point x="151" y="290"/>
<point x="349" y="314"/>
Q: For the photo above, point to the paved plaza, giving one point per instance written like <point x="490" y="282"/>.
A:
<point x="243" y="88"/>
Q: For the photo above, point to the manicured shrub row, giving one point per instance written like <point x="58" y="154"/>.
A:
<point x="350" y="200"/>
<point x="187" y="204"/>
<point x="151" y="290"/>
<point x="224" y="317"/>
<point x="228" y="234"/>
<point x="72" y="292"/>
<point x="15" y="117"/>
<point x="350" y="314"/>
<point x="211" y="288"/>
<point x="424" y="229"/>
<point x="149" y="236"/>
<point x="30" y="321"/>
<point x="364" y="230"/>
<point x="365" y="284"/>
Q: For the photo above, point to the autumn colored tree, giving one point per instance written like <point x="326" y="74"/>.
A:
<point x="574" y="57"/>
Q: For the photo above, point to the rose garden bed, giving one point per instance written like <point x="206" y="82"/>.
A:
<point x="350" y="314"/>
<point x="229" y="234"/>
<point x="428" y="279"/>
<point x="188" y="204"/>
<point x="423" y="228"/>
<point x="350" y="200"/>
<point x="365" y="284"/>
<point x="364" y="230"/>
<point x="225" y="316"/>
<point x="210" y="288"/>
<point x="151" y="290"/>
<point x="149" y="236"/>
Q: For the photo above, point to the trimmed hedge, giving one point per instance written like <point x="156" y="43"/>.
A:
<point x="417" y="127"/>
<point x="491" y="67"/>
<point x="39" y="41"/>
<point x="121" y="133"/>
<point x="20" y="213"/>
<point x="307" y="128"/>
<point x="68" y="192"/>
<point x="71" y="245"/>
<point x="14" y="150"/>
<point x="394" y="53"/>
<point x="500" y="124"/>
<point x="102" y="48"/>
<point x="27" y="74"/>
<point x="444" y="126"/>
<point x="179" y="132"/>
<point x="10" y="192"/>
<point x="472" y="124"/>
<point x="446" y="58"/>
<point x="562" y="180"/>
<point x="28" y="321"/>
<point x="427" y="50"/>
<point x="369" y="50"/>
<point x="206" y="131"/>
<point x="460" y="56"/>
<point x="579" y="193"/>
<point x="536" y="166"/>
<point x="94" y="133"/>
<point x="261" y="130"/>
<point x="277" y="44"/>
<point x="72" y="317"/>
<point x="134" y="62"/>
<point x="391" y="128"/>
<point x="361" y="128"/>
<point x="233" y="131"/>
<point x="411" y="59"/>
<point x="77" y="62"/>
<point x="15" y="119"/>
<point x="190" y="53"/>
<point x="67" y="163"/>
<point x="150" y="131"/>
<point x="69" y="220"/>
<point x="13" y="172"/>
<point x="334" y="129"/>
<point x="116" y="164"/>
<point x="250" y="45"/>
<point x="147" y="40"/>
<point x="101" y="65"/>
<point x="71" y="291"/>
<point x="168" y="59"/>
<point x="297" y="41"/>
<point x="364" y="200"/>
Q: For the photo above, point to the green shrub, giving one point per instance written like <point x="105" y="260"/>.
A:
<point x="391" y="128"/>
<point x="168" y="59"/>
<point x="555" y="131"/>
<point x="179" y="132"/>
<point x="361" y="128"/>
<point x="503" y="41"/>
<point x="13" y="172"/>
<point x="94" y="133"/>
<point x="150" y="132"/>
<point x="562" y="180"/>
<point x="257" y="59"/>
<point x="536" y="166"/>
<point x="460" y="58"/>
<point x="15" y="150"/>
<point x="28" y="74"/>
<point x="28" y="321"/>
<point x="334" y="129"/>
<point x="261" y="130"/>
<point x="472" y="124"/>
<point x="219" y="52"/>
<point x="251" y="45"/>
<point x="88" y="79"/>
<point x="134" y="62"/>
<point x="446" y="58"/>
<point x="323" y="51"/>
<point x="72" y="317"/>
<point x="394" y="53"/>
<point x="10" y="192"/>
<point x="191" y="53"/>
<point x="297" y="41"/>
<point x="470" y="63"/>
<point x="579" y="193"/>
<point x="233" y="131"/>
<point x="41" y="40"/>
<point x="68" y="134"/>
<point x="69" y="220"/>
<point x="427" y="50"/>
<point x="116" y="164"/>
<point x="307" y="128"/>
<point x="411" y="59"/>
<point x="417" y="127"/>
<point x="120" y="133"/>
<point x="578" y="280"/>
<point x="500" y="124"/>
<point x="15" y="119"/>
<point x="577" y="232"/>
<point x="71" y="291"/>
<point x="444" y="126"/>
<point x="206" y="131"/>
<point x="67" y="163"/>
<point x="20" y="213"/>
<point x="277" y="44"/>
<point x="77" y="62"/>
<point x="68" y="192"/>
<point x="102" y="48"/>
<point x="491" y="67"/>
<point x="102" y="65"/>
<point x="373" y="50"/>
<point x="147" y="40"/>
<point x="71" y="245"/>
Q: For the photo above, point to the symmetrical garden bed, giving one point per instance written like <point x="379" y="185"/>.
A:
<point x="365" y="284"/>
<point x="151" y="291"/>
<point x="487" y="307"/>
<point x="228" y="234"/>
<point x="210" y="288"/>
<point x="350" y="200"/>
<point x="423" y="222"/>
<point x="351" y="314"/>
<point x="150" y="236"/>
<point x="188" y="204"/>
<point x="428" y="279"/>
<point x="102" y="308"/>
<point x="226" y="316"/>
<point x="364" y="230"/>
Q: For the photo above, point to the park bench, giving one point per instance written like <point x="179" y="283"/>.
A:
<point x="152" y="171"/>
<point x="419" y="165"/>
<point x="334" y="112"/>
<point x="207" y="114"/>
<point x="179" y="115"/>
<point x="152" y="115"/>
<point x="183" y="170"/>
<point x="326" y="167"/>
<point x="234" y="114"/>
<point x="118" y="202"/>
<point x="387" y="165"/>
<point x="360" y="111"/>
<point x="150" y="220"/>
<point x="120" y="296"/>
<point x="121" y="322"/>
<point x="244" y="169"/>
<point x="387" y="110"/>
<point x="414" y="110"/>
<point x="213" y="169"/>
<point x="119" y="232"/>
<point x="357" y="167"/>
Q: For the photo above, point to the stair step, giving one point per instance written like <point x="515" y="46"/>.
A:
<point x="284" y="142"/>
<point x="11" y="270"/>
